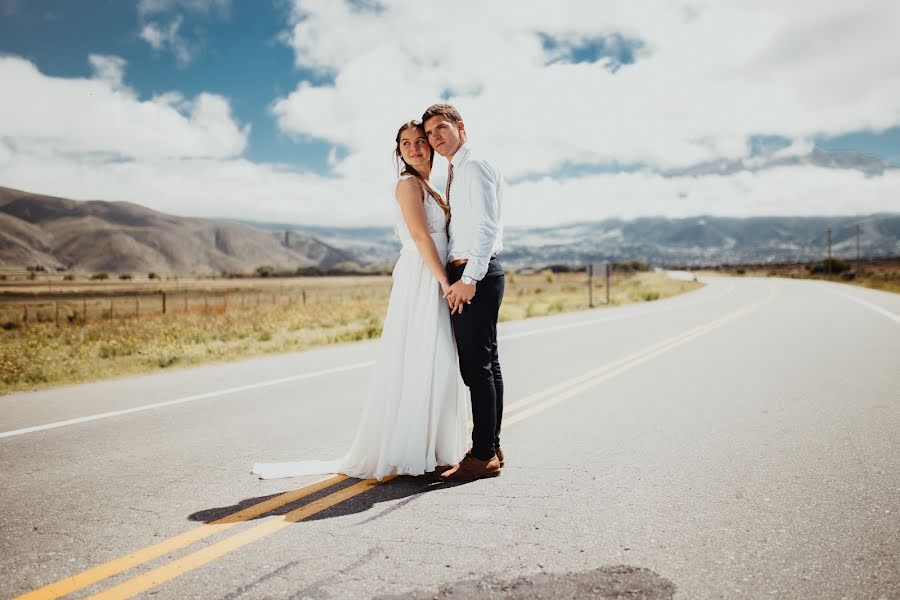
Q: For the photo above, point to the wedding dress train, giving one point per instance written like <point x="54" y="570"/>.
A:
<point x="414" y="418"/>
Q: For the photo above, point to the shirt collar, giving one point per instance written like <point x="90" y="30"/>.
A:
<point x="462" y="153"/>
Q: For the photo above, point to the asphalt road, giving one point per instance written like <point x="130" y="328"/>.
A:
<point x="741" y="441"/>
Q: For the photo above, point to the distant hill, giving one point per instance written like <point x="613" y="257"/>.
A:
<point x="125" y="237"/>
<point x="707" y="240"/>
<point x="690" y="241"/>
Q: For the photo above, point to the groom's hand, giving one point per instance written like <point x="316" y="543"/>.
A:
<point x="459" y="295"/>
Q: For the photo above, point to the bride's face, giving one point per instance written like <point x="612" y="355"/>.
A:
<point x="414" y="148"/>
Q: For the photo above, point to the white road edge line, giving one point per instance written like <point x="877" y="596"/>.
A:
<point x="243" y="388"/>
<point x="156" y="405"/>
<point x="894" y="317"/>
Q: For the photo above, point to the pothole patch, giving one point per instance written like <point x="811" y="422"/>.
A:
<point x="620" y="582"/>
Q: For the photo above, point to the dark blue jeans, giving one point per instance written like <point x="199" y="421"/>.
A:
<point x="475" y="330"/>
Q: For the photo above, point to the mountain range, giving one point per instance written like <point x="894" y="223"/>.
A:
<point x="57" y="233"/>
<point x="693" y="241"/>
<point x="62" y="234"/>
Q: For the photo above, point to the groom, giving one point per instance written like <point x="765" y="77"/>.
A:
<point x="475" y="193"/>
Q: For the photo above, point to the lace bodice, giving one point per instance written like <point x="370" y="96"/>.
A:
<point x="437" y="220"/>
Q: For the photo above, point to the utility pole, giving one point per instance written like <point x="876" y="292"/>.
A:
<point x="608" y="269"/>
<point x="590" y="274"/>
<point x="857" y="249"/>
<point x="828" y="233"/>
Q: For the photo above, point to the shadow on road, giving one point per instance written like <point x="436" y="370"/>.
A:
<point x="403" y="488"/>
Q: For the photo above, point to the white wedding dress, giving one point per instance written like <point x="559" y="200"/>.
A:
<point x="414" y="417"/>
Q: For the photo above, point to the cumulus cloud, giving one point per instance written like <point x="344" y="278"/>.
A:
<point x="199" y="187"/>
<point x="689" y="83"/>
<point x="111" y="120"/>
<point x="662" y="88"/>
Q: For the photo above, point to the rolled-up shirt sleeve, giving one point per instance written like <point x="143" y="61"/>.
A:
<point x="483" y="183"/>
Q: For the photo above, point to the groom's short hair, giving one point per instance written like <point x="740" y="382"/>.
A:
<point x="444" y="110"/>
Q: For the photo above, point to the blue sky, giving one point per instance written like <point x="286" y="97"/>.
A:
<point x="235" y="52"/>
<point x="286" y="95"/>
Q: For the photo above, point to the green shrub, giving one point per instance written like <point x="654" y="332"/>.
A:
<point x="631" y="266"/>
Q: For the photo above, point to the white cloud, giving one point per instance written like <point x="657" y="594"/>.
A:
<point x="99" y="116"/>
<point x="201" y="187"/>
<point x="109" y="69"/>
<point x="168" y="37"/>
<point x="706" y="79"/>
<point x="153" y="35"/>
<point x="795" y="190"/>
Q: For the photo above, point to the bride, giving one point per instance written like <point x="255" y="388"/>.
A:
<point x="414" y="419"/>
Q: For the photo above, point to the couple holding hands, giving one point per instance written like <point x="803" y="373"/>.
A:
<point x="446" y="292"/>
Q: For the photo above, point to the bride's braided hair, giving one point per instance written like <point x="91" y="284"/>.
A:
<point x="407" y="169"/>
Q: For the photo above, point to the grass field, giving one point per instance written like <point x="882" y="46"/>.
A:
<point x="262" y="316"/>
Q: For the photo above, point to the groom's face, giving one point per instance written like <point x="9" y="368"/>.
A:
<point x="443" y="135"/>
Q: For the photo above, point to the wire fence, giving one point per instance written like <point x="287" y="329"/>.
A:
<point x="78" y="310"/>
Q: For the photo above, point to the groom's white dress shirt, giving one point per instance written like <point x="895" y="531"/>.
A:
<point x="476" y="203"/>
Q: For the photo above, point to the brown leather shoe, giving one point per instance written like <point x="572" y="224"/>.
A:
<point x="500" y="457"/>
<point x="472" y="468"/>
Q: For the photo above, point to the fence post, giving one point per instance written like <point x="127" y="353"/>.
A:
<point x="25" y="316"/>
<point x="57" y="312"/>
<point x="608" y="275"/>
<point x="304" y="297"/>
<point x="590" y="274"/>
<point x="164" y="302"/>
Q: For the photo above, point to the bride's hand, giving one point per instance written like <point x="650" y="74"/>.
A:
<point x="445" y="287"/>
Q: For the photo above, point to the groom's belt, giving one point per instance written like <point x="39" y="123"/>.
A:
<point x="461" y="261"/>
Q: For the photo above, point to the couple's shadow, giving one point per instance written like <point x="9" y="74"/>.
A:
<point x="405" y="488"/>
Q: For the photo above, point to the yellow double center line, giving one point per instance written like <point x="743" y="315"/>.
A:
<point x="119" y="565"/>
<point x="515" y="412"/>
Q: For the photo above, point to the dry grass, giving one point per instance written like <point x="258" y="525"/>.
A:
<point x="551" y="293"/>
<point x="337" y="310"/>
<point x="883" y="274"/>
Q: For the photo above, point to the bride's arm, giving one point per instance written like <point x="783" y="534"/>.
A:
<point x="409" y="197"/>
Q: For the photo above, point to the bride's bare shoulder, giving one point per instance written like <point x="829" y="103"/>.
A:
<point x="406" y="185"/>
